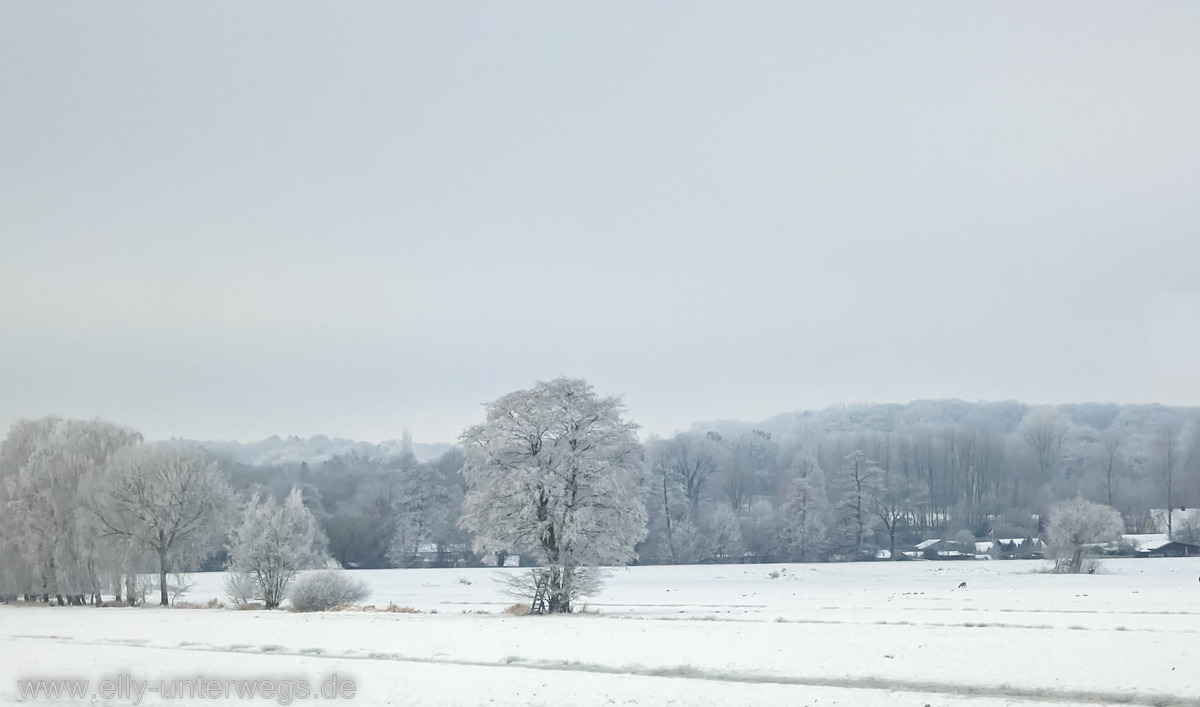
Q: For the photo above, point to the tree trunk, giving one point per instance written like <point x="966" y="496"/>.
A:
<point x="558" y="599"/>
<point x="162" y="578"/>
<point x="667" y="516"/>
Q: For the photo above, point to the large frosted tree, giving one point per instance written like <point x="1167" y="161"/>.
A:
<point x="170" y="500"/>
<point x="805" y="510"/>
<point x="859" y="479"/>
<point x="556" y="470"/>
<point x="45" y="465"/>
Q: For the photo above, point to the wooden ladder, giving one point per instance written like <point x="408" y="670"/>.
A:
<point x="539" y="595"/>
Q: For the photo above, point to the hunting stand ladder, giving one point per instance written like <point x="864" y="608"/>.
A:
<point x="539" y="594"/>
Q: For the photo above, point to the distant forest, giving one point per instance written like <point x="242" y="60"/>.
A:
<point x="835" y="484"/>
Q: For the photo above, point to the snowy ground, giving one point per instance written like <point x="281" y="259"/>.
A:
<point x="853" y="634"/>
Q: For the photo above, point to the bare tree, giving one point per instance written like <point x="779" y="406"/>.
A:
<point x="1043" y="431"/>
<point x="894" y="502"/>
<point x="1167" y="442"/>
<point x="692" y="461"/>
<point x="1110" y="465"/>
<point x="668" y="496"/>
<point x="737" y="488"/>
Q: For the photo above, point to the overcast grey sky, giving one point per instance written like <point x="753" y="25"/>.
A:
<point x="230" y="220"/>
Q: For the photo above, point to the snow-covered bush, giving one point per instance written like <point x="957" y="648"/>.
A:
<point x="179" y="586"/>
<point x="323" y="590"/>
<point x="241" y="588"/>
<point x="585" y="582"/>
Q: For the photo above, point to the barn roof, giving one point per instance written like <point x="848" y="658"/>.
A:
<point x="1158" y="545"/>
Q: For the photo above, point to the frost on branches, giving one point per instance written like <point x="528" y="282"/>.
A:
<point x="47" y="547"/>
<point x="555" y="471"/>
<point x="273" y="543"/>
<point x="168" y="500"/>
<point x="1076" y="525"/>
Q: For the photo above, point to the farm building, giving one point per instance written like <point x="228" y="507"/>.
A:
<point x="1169" y="548"/>
<point x="1021" y="548"/>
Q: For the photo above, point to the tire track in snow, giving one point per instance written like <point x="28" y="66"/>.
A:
<point x="915" y="624"/>
<point x="689" y="672"/>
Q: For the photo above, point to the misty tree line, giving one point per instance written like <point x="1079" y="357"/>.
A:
<point x="847" y="481"/>
<point x="374" y="513"/>
<point x="87" y="506"/>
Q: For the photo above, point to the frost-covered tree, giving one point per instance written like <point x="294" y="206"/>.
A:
<point x="171" y="500"/>
<point x="723" y="533"/>
<point x="859" y="480"/>
<point x="1109" y="463"/>
<point x="44" y="465"/>
<point x="667" y="506"/>
<point x="754" y="459"/>
<point x="273" y="543"/>
<point x="679" y="469"/>
<point x="806" y="510"/>
<point x="557" y="471"/>
<point x="690" y="462"/>
<point x="421" y="512"/>
<point x="1077" y="523"/>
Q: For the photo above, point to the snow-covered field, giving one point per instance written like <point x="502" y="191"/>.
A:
<point x="853" y="634"/>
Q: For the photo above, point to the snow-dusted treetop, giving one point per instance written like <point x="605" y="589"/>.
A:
<point x="556" y="470"/>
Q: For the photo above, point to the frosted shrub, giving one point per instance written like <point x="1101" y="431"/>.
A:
<point x="323" y="590"/>
<point x="273" y="543"/>
<point x="583" y="582"/>
<point x="1075" y="527"/>
<point x="241" y="588"/>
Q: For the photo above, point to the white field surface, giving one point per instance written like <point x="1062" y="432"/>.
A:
<point x="851" y="634"/>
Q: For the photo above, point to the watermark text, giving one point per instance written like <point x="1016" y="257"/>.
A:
<point x="126" y="688"/>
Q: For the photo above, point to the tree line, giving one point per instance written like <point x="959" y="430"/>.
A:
<point x="88" y="506"/>
<point x="849" y="481"/>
